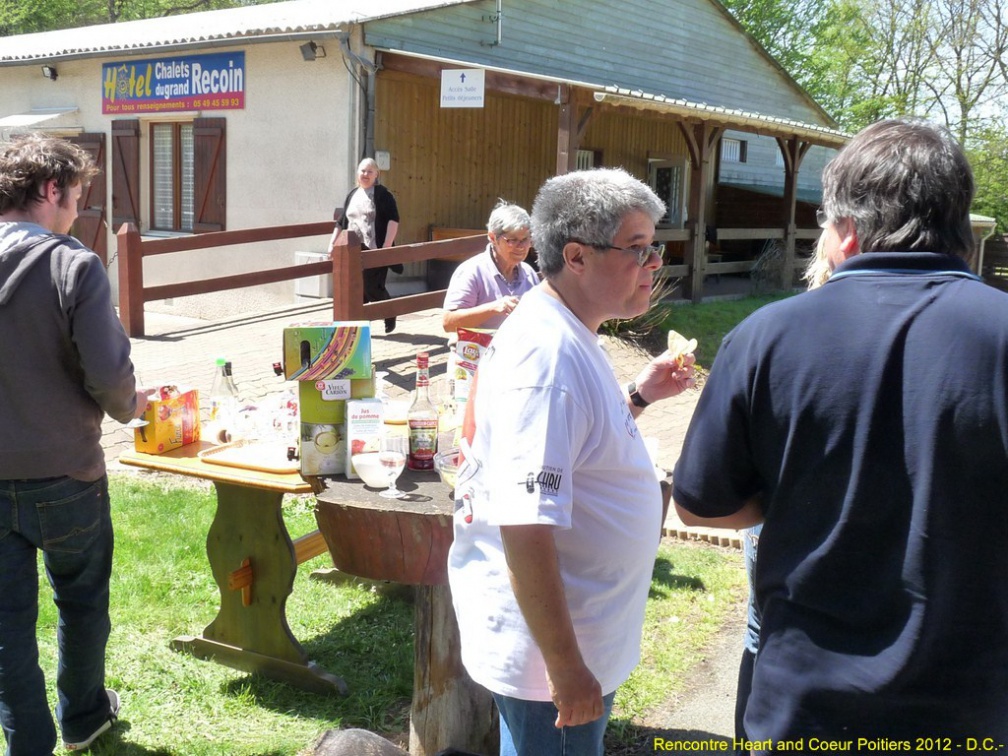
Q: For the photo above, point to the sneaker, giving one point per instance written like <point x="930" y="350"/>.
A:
<point x="113" y="698"/>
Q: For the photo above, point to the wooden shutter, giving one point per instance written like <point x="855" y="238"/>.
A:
<point x="90" y="226"/>
<point x="209" y="174"/>
<point x="125" y="172"/>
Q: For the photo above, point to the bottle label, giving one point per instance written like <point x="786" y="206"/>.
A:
<point x="422" y="443"/>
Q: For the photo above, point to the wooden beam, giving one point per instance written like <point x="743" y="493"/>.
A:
<point x="567" y="132"/>
<point x="536" y="89"/>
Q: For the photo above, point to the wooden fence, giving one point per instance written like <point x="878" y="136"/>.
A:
<point x="348" y="263"/>
<point x="346" y="268"/>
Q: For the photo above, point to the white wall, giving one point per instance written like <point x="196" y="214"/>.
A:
<point x="291" y="155"/>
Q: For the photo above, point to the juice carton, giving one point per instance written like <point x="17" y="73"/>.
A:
<point x="339" y="349"/>
<point x="364" y="421"/>
<point x="173" y="420"/>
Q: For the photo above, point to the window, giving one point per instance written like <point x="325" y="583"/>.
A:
<point x="733" y="151"/>
<point x="186" y="172"/>
<point x="172" y="176"/>
<point x="587" y="159"/>
<point x="670" y="180"/>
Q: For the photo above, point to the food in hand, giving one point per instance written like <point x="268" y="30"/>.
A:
<point x="679" y="346"/>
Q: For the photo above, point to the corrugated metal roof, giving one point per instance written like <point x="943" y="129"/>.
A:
<point x="756" y="122"/>
<point x="284" y="19"/>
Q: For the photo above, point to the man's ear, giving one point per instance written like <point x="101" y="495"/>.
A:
<point x="51" y="191"/>
<point x="574" y="256"/>
<point x="849" y="245"/>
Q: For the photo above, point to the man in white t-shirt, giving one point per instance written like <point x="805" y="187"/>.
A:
<point x="558" y="510"/>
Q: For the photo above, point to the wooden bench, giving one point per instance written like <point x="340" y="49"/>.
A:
<point x="440" y="269"/>
<point x="440" y="233"/>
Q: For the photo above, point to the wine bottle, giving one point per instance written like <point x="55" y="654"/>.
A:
<point x="422" y="420"/>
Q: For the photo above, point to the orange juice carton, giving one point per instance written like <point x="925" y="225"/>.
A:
<point x="173" y="420"/>
<point x="364" y="421"/>
<point x="337" y="350"/>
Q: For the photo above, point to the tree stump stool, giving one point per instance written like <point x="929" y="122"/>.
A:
<point x="406" y="541"/>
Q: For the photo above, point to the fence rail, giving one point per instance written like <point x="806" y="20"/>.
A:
<point x="346" y="266"/>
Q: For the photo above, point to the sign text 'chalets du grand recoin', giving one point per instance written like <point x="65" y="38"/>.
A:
<point x="192" y="82"/>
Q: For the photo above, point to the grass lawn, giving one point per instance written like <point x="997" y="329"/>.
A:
<point x="176" y="704"/>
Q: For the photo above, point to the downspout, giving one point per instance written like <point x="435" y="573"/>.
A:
<point x="367" y="71"/>
<point x="983" y="239"/>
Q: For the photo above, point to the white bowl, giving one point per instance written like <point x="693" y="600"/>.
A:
<point x="370" y="469"/>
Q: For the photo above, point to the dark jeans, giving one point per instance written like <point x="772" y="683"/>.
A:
<point x="742" y="691"/>
<point x="69" y="521"/>
<point x="375" y="291"/>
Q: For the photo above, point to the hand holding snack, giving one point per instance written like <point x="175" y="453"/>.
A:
<point x="679" y="346"/>
<point x="670" y="373"/>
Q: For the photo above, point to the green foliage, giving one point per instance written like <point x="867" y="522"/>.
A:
<point x="709" y="322"/>
<point x="21" y="17"/>
<point x="989" y="157"/>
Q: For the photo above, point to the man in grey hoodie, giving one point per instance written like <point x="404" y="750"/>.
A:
<point x="66" y="362"/>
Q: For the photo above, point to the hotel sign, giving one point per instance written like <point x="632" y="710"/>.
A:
<point x="191" y="82"/>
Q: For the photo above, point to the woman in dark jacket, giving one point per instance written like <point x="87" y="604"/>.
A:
<point x="370" y="211"/>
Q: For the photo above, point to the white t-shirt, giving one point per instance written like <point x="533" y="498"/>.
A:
<point x="554" y="444"/>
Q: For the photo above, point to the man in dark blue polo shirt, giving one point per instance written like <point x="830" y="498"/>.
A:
<point x="866" y="423"/>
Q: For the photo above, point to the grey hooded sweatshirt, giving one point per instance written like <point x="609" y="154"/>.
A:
<point x="64" y="357"/>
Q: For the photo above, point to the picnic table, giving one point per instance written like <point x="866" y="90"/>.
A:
<point x="254" y="562"/>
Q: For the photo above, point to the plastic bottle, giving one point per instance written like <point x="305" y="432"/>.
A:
<point x="223" y="403"/>
<point x="422" y="420"/>
<point x="229" y="378"/>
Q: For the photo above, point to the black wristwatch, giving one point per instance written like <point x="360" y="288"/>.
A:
<point x="635" y="398"/>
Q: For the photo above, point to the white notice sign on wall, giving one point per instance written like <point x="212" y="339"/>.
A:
<point x="462" y="88"/>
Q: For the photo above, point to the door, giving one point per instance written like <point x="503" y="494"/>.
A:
<point x="90" y="226"/>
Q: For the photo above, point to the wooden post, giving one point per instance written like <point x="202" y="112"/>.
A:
<point x="449" y="710"/>
<point x="567" y="136"/>
<point x="700" y="140"/>
<point x="131" y="294"/>
<point x="348" y="277"/>
<point x="793" y="151"/>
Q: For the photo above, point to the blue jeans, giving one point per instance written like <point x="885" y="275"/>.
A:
<point x="526" y="729"/>
<point x="70" y="522"/>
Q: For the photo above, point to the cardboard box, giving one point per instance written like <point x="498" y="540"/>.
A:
<point x="327" y="350"/>
<point x="323" y="448"/>
<point x="324" y="400"/>
<point x="173" y="420"/>
<point x="364" y="421"/>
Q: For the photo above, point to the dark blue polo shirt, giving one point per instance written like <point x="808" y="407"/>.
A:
<point x="872" y="416"/>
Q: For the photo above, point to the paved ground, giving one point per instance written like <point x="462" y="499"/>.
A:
<point x="183" y="351"/>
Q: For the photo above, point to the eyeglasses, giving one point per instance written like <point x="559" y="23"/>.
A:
<point x="821" y="218"/>
<point x="643" y="253"/>
<point x="526" y="242"/>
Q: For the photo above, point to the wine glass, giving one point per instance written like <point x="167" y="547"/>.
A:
<point x="392" y="451"/>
